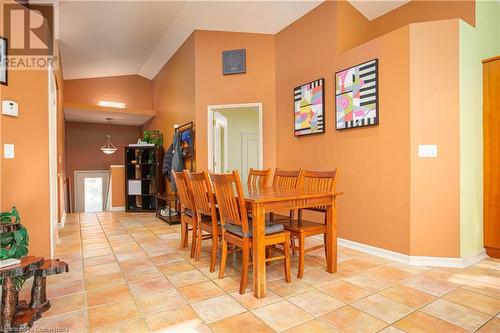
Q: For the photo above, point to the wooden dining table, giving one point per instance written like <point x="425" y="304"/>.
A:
<point x="266" y="199"/>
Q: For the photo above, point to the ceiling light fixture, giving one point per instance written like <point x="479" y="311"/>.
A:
<point x="117" y="105"/>
<point x="108" y="147"/>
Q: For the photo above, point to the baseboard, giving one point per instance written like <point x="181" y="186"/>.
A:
<point x="413" y="260"/>
<point x="117" y="209"/>
<point x="63" y="220"/>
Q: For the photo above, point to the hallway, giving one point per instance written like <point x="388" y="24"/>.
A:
<point x="127" y="274"/>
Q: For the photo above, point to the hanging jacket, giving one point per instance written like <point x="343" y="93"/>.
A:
<point x="177" y="161"/>
<point x="167" y="161"/>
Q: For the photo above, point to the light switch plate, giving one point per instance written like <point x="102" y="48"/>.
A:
<point x="8" y="150"/>
<point x="427" y="151"/>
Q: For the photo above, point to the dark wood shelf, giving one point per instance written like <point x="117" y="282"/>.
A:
<point x="150" y="177"/>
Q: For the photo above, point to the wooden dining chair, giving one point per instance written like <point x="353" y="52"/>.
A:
<point x="206" y="211"/>
<point x="321" y="181"/>
<point x="237" y="229"/>
<point x="188" y="211"/>
<point x="258" y="177"/>
<point x="285" y="179"/>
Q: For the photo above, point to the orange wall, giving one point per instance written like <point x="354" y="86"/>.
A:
<point x="256" y="85"/>
<point x="373" y="162"/>
<point x="117" y="186"/>
<point x="173" y="92"/>
<point x="424" y="10"/>
<point x="435" y="213"/>
<point x="83" y="141"/>
<point x="352" y="27"/>
<point x="133" y="90"/>
<point x="25" y="179"/>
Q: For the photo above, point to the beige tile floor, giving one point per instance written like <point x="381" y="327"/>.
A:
<point x="127" y="274"/>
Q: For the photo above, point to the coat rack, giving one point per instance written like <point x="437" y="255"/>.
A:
<point x="170" y="201"/>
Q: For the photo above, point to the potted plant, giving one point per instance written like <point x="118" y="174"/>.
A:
<point x="13" y="239"/>
<point x="153" y="136"/>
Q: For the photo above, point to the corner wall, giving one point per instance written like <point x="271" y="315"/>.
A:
<point x="476" y="44"/>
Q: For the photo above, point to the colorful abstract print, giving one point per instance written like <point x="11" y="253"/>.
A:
<point x="356" y="96"/>
<point x="309" y="108"/>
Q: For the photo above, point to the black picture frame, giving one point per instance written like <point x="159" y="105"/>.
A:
<point x="234" y="62"/>
<point x="377" y="100"/>
<point x="323" y="130"/>
<point x="4" y="46"/>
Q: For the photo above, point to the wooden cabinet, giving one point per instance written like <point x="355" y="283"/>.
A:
<point x="491" y="137"/>
<point x="143" y="178"/>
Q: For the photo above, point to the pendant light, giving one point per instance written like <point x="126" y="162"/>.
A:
<point x="108" y="147"/>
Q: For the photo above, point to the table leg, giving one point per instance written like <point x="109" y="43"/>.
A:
<point x="331" y="238"/>
<point x="259" y="251"/>
<point x="9" y="304"/>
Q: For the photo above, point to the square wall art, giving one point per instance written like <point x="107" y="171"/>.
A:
<point x="310" y="108"/>
<point x="356" y="96"/>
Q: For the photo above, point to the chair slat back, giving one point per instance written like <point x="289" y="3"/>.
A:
<point x="320" y="181"/>
<point x="201" y="190"/>
<point x="230" y="199"/>
<point x="185" y="198"/>
<point x="258" y="177"/>
<point x="286" y="179"/>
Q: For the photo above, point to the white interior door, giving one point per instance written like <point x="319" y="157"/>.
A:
<point x="91" y="190"/>
<point x="220" y="143"/>
<point x="249" y="153"/>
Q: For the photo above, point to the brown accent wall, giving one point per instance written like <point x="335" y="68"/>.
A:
<point x="256" y="85"/>
<point x="374" y="162"/>
<point x="133" y="90"/>
<point x="83" y="142"/>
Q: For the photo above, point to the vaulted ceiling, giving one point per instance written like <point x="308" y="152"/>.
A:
<point x="109" y="38"/>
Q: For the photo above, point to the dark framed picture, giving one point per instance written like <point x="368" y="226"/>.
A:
<point x="234" y="62"/>
<point x="309" y="108"/>
<point x="3" y="60"/>
<point x="356" y="96"/>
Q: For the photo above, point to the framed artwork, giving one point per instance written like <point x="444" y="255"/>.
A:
<point x="356" y="96"/>
<point x="309" y="102"/>
<point x="3" y="60"/>
<point x="234" y="62"/>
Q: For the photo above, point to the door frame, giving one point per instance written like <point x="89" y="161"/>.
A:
<point x="53" y="174"/>
<point x="220" y="118"/>
<point x="210" y="141"/>
<point x="105" y="187"/>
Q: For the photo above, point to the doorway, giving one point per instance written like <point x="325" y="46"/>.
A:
<point x="235" y="138"/>
<point x="91" y="190"/>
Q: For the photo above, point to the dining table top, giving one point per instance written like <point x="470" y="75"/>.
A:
<point x="259" y="194"/>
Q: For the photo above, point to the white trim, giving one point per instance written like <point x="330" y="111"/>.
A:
<point x="413" y="260"/>
<point x="117" y="209"/>
<point x="210" y="118"/>
<point x="53" y="176"/>
<point x="117" y="166"/>
<point x="63" y="220"/>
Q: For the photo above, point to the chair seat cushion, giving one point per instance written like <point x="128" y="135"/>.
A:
<point x="188" y="212"/>
<point x="237" y="230"/>
<point x="303" y="226"/>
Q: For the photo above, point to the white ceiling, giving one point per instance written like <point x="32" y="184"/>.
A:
<point x="372" y="9"/>
<point x="99" y="117"/>
<point x="108" y="38"/>
<point x="113" y="37"/>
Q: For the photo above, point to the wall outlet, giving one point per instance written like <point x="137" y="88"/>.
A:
<point x="427" y="151"/>
<point x="8" y="151"/>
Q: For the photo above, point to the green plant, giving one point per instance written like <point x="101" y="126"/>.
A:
<point x="153" y="136"/>
<point x="13" y="244"/>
